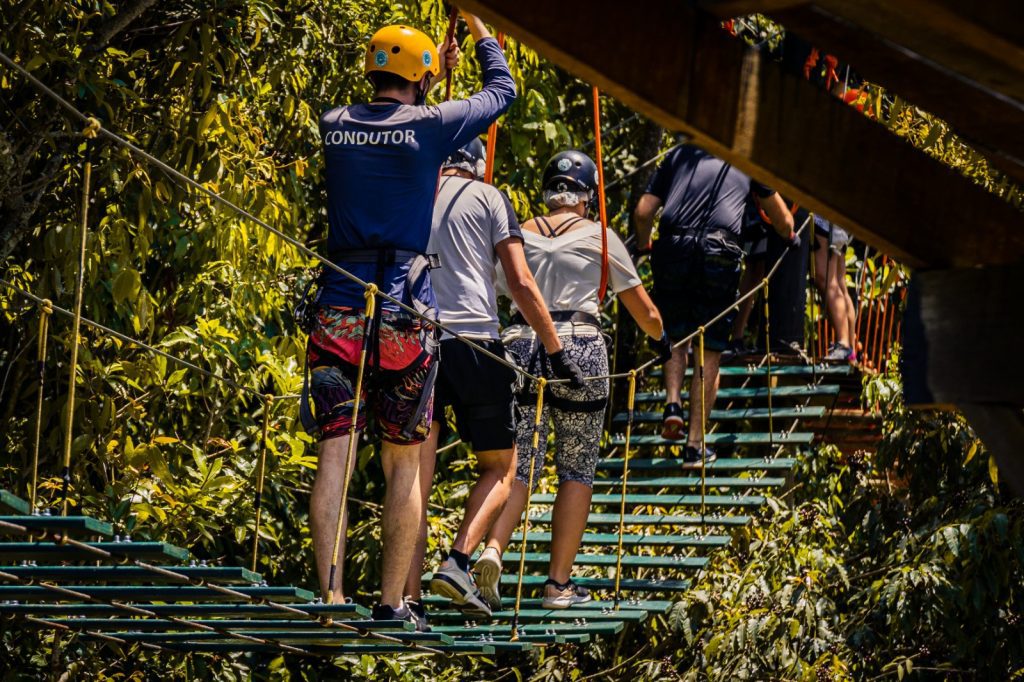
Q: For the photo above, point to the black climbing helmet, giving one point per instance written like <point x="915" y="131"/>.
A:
<point x="471" y="158"/>
<point x="570" y="171"/>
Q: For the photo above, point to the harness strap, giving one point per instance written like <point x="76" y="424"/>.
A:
<point x="574" y="316"/>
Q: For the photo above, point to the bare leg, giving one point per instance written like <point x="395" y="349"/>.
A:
<point x="428" y="458"/>
<point x="851" y="311"/>
<point x="711" y="363"/>
<point x="827" y="266"/>
<point x="572" y="506"/>
<point x="675" y="370"/>
<point x="401" y="519"/>
<point x="487" y="499"/>
<point x="505" y="525"/>
<point x="323" y="512"/>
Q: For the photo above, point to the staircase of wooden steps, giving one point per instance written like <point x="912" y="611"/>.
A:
<point x="73" y="573"/>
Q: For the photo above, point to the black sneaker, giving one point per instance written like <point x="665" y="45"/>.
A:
<point x="692" y="458"/>
<point x="419" y="612"/>
<point x="672" y="422"/>
<point x="385" y="612"/>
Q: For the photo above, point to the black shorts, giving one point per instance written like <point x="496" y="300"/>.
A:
<point x="694" y="281"/>
<point x="479" y="391"/>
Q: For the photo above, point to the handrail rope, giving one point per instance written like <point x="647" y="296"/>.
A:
<point x="135" y="342"/>
<point x="261" y="470"/>
<point x="703" y="422"/>
<point x="645" y="164"/>
<point x="602" y="208"/>
<point x="45" y="310"/>
<point x="69" y="420"/>
<point x="768" y="356"/>
<point x="369" y="317"/>
<point x="302" y="248"/>
<point x="325" y="621"/>
<point x="614" y="129"/>
<point x="630" y="405"/>
<point x="535" y="446"/>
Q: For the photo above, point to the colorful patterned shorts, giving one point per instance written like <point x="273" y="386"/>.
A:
<point x="397" y="393"/>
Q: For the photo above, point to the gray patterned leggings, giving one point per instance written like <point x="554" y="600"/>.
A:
<point x="577" y="414"/>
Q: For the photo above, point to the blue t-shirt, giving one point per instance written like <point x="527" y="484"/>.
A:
<point x="699" y="190"/>
<point x="382" y="164"/>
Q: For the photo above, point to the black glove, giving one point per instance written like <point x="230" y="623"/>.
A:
<point x="793" y="242"/>
<point x="662" y="346"/>
<point x="564" y="367"/>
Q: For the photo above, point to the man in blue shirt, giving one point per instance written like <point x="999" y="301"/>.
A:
<point x="382" y="162"/>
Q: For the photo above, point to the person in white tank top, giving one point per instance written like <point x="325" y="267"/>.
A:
<point x="563" y="250"/>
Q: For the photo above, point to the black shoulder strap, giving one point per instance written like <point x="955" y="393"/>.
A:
<point x="564" y="227"/>
<point x="545" y="226"/>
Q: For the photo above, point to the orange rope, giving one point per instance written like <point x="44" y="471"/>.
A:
<point x="602" y="289"/>
<point x="492" y="134"/>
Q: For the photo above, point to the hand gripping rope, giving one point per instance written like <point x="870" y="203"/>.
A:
<point x="45" y="310"/>
<point x="369" y="318"/>
<point x="630" y="404"/>
<point x="541" y="385"/>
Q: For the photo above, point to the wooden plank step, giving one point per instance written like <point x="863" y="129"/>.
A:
<point x="720" y="464"/>
<point x="227" y="609"/>
<point x="666" y="500"/>
<point x="467" y="631"/>
<point x="157" y="625"/>
<point x="631" y="584"/>
<point x="52" y="551"/>
<point x="294" y="637"/>
<point x="632" y="604"/>
<point x="77" y="574"/>
<point x="656" y="519"/>
<point x="458" y="648"/>
<point x="511" y="559"/>
<point x="716" y="438"/>
<point x="60" y="524"/>
<point x="438" y="615"/>
<point x="631" y="539"/>
<point x="690" y="482"/>
<point x="146" y="593"/>
<point x="752" y="370"/>
<point x="738" y="414"/>
<point x="751" y="393"/>
<point x="11" y="502"/>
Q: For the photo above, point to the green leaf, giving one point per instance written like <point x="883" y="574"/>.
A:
<point x="993" y="470"/>
<point x="127" y="284"/>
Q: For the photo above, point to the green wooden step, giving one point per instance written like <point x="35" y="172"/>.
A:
<point x="666" y="500"/>
<point x="656" y="519"/>
<point x="716" y="438"/>
<point x="631" y="539"/>
<point x="788" y="412"/>
<point x="504" y="631"/>
<point x="188" y="610"/>
<point x="511" y="559"/>
<point x="690" y="482"/>
<point x="62" y="524"/>
<point x="11" y="502"/>
<point x="146" y="593"/>
<point x="751" y="392"/>
<point x="720" y="464"/>
<point x="157" y="625"/>
<point x="625" y="605"/>
<point x="751" y="370"/>
<point x="439" y="616"/>
<point x="243" y="647"/>
<point x="77" y="574"/>
<point x="631" y="584"/>
<point x="293" y="637"/>
<point x="52" y="551"/>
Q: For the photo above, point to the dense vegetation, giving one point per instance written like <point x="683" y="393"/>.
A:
<point x="896" y="564"/>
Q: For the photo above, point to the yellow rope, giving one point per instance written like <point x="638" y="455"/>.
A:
<point x="75" y="327"/>
<point x="268" y="401"/>
<point x="371" y="305"/>
<point x="630" y="403"/>
<point x="541" y="384"/>
<point x="768" y="355"/>
<point x="44" y="326"/>
<point x="92" y="128"/>
<point x="703" y="420"/>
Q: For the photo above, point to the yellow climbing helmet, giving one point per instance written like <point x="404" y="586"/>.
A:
<point x="403" y="51"/>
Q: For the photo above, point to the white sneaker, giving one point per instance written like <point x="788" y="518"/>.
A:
<point x="488" y="575"/>
<point x="566" y="595"/>
<point x="451" y="582"/>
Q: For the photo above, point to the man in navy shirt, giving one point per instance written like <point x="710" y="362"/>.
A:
<point x="696" y="264"/>
<point x="382" y="162"/>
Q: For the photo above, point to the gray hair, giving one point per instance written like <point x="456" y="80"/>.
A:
<point x="554" y="199"/>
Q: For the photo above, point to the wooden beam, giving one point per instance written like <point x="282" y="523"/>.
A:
<point x="988" y="113"/>
<point x="674" y="64"/>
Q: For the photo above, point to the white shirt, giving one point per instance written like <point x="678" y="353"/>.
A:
<point x="568" y="273"/>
